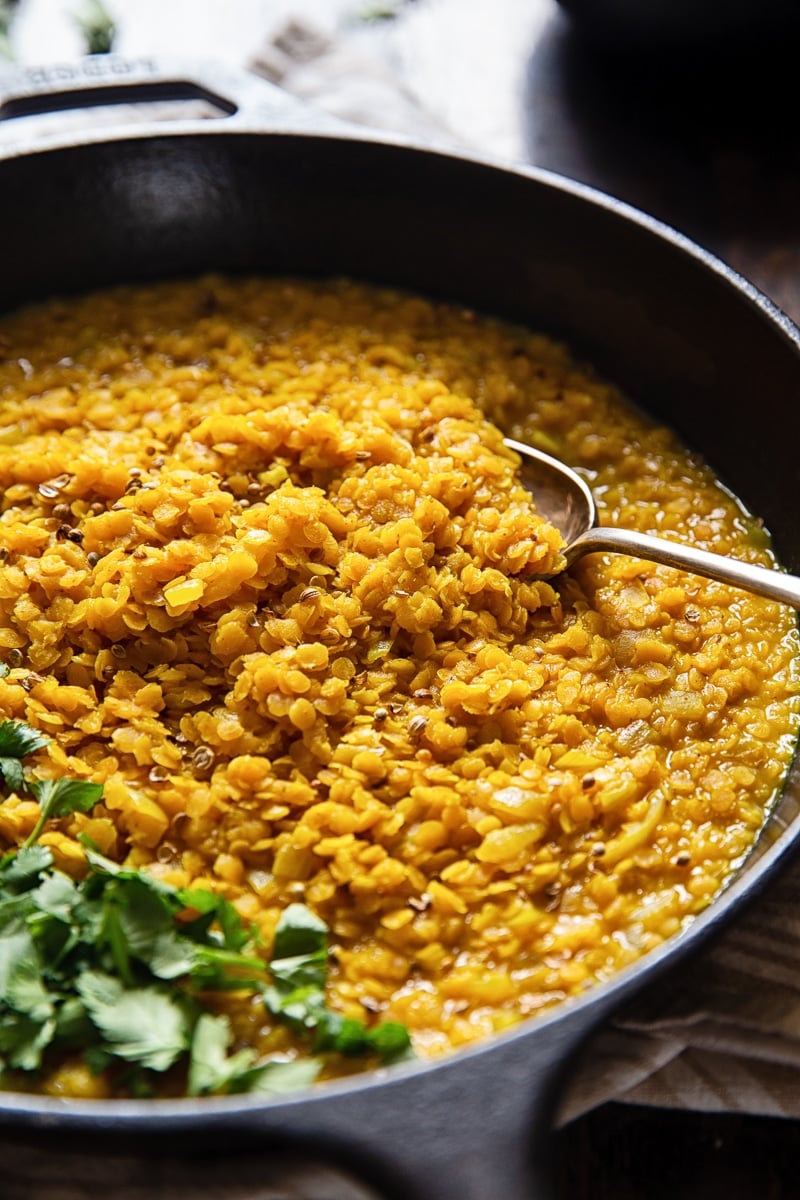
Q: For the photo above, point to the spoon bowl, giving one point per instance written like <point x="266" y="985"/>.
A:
<point x="564" y="499"/>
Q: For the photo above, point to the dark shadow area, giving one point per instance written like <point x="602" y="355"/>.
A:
<point x="704" y="138"/>
<point x="217" y="1167"/>
<point x="621" y="1152"/>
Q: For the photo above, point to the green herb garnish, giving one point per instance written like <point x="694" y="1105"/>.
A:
<point x="60" y="798"/>
<point x="97" y="26"/>
<point x="16" y="741"/>
<point x="7" y="13"/>
<point x="297" y="994"/>
<point x="371" y="14"/>
<point x="117" y="965"/>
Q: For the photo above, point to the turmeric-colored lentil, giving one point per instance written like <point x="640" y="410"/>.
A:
<point x="269" y="575"/>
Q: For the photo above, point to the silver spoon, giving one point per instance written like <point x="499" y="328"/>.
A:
<point x="566" y="501"/>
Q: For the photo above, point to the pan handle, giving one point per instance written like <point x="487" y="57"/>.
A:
<point x="477" y="1127"/>
<point x="31" y="97"/>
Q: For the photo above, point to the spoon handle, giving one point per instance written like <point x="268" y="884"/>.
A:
<point x="762" y="580"/>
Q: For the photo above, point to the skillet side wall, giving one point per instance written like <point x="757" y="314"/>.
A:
<point x="674" y="333"/>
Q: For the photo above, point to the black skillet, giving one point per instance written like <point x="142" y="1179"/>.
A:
<point x="678" y="27"/>
<point x="271" y="187"/>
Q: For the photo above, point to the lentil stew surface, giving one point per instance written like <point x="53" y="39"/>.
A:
<point x="269" y="575"/>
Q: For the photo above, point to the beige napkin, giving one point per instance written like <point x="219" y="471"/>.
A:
<point x="724" y="1034"/>
<point x="720" y="1034"/>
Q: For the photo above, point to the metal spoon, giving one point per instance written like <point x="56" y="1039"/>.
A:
<point x="566" y="501"/>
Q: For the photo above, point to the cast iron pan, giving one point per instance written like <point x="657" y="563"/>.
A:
<point x="271" y="187"/>
<point x="686" y="27"/>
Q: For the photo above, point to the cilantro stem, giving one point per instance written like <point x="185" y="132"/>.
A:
<point x="61" y="798"/>
<point x="35" y="833"/>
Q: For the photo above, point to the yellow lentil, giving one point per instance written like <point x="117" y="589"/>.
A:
<point x="302" y="642"/>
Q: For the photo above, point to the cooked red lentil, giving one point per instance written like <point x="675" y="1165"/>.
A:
<point x="268" y="576"/>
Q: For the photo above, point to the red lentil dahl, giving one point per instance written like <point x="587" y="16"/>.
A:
<point x="269" y="577"/>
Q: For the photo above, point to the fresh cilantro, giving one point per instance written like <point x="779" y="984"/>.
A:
<point x="276" y="1077"/>
<point x="56" y="896"/>
<point x="16" y="741"/>
<point x="97" y="27"/>
<point x="61" y="798"/>
<point x="13" y="776"/>
<point x="23" y="868"/>
<point x="23" y="1041"/>
<point x="74" y="1028"/>
<point x="297" y="995"/>
<point x="4" y="670"/>
<point x="102" y="866"/>
<point x="145" y="1025"/>
<point x="211" y="908"/>
<point x="300" y="950"/>
<point x="390" y="1041"/>
<point x="299" y="933"/>
<point x="211" y="1069"/>
<point x="117" y="965"/>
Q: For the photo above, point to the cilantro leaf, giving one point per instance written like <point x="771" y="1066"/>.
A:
<point x="144" y="924"/>
<point x="211" y="1070"/>
<point x="334" y="1031"/>
<point x="300" y="952"/>
<point x="276" y="1077"/>
<point x="18" y="739"/>
<point x="171" y="957"/>
<point x="5" y="669"/>
<point x="145" y="1025"/>
<point x="219" y="970"/>
<point x="21" y="987"/>
<point x="91" y="965"/>
<point x="102" y="866"/>
<point x="73" y="1027"/>
<point x="213" y="908"/>
<point x="297" y="994"/>
<point x="13" y="776"/>
<point x="17" y="871"/>
<point x="391" y="1041"/>
<point x="23" y="1041"/>
<point x="57" y="896"/>
<point x="299" y="932"/>
<point x="61" y="798"/>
